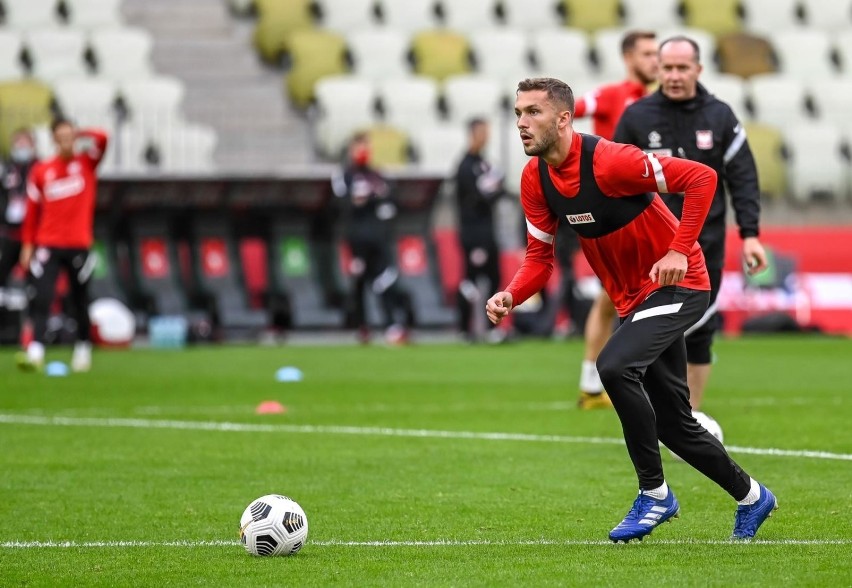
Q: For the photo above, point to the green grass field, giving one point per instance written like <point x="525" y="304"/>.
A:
<point x="431" y="465"/>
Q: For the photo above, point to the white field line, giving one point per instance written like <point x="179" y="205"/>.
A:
<point x="438" y="543"/>
<point x="58" y="421"/>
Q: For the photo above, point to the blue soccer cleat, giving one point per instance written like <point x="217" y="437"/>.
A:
<point x="644" y="516"/>
<point x="750" y="517"/>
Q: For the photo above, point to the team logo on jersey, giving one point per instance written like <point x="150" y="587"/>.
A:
<point x="704" y="139"/>
<point x="580" y="219"/>
<point x="654" y="140"/>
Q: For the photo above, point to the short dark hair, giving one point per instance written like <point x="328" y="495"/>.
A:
<point x="557" y="90"/>
<point x="475" y="122"/>
<point x="684" y="39"/>
<point x="58" y="122"/>
<point x="628" y="42"/>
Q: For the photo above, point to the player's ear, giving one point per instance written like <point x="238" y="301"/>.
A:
<point x="565" y="119"/>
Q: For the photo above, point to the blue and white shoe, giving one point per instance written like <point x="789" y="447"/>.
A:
<point x="750" y="517"/>
<point x="647" y="512"/>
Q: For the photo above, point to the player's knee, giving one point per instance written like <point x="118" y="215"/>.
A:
<point x="610" y="368"/>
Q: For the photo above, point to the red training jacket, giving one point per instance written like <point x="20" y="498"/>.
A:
<point x="606" y="104"/>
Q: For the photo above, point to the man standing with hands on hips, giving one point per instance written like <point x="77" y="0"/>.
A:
<point x="653" y="270"/>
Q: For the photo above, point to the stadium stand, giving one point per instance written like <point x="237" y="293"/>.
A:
<point x="408" y="15"/>
<point x="831" y="99"/>
<point x="717" y="17"/>
<point x="11" y="48"/>
<point x="55" y="53"/>
<point x="552" y="45"/>
<point x="651" y="14"/>
<point x="778" y="99"/>
<point x="469" y="96"/>
<point x="409" y="103"/>
<point x="343" y="16"/>
<point x="379" y="54"/>
<point x="817" y="167"/>
<point x="277" y="21"/>
<point x="729" y="88"/>
<point x="122" y="53"/>
<point x="440" y="53"/>
<point x="835" y="15"/>
<point x="389" y="146"/>
<point x="30" y="14"/>
<point x="764" y="16"/>
<point x="502" y="54"/>
<point x="25" y="103"/>
<point x="744" y="54"/>
<point x="805" y="54"/>
<point x="344" y="104"/>
<point x="92" y="14"/>
<point x="467" y="15"/>
<point x="315" y="54"/>
<point x="531" y="15"/>
<point x="591" y="15"/>
<point x="767" y="145"/>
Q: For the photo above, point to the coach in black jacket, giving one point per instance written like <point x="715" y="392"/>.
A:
<point x="682" y="119"/>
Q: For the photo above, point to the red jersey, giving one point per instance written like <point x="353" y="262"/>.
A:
<point x="61" y="197"/>
<point x="623" y="258"/>
<point x="606" y="104"/>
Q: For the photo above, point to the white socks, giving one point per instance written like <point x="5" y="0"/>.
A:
<point x="35" y="352"/>
<point x="590" y="380"/>
<point x="658" y="493"/>
<point x="752" y="496"/>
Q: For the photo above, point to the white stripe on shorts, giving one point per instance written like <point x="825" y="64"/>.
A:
<point x="657" y="311"/>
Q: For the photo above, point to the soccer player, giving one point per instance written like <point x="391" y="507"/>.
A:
<point x="683" y="119"/>
<point x="368" y="213"/>
<point x="653" y="270"/>
<point x="478" y="186"/>
<point x="605" y="105"/>
<point x="58" y="233"/>
<point x="13" y="190"/>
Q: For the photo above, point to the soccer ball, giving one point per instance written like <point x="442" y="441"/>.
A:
<point x="709" y="423"/>
<point x="273" y="525"/>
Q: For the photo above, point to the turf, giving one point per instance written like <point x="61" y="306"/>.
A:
<point x="411" y="491"/>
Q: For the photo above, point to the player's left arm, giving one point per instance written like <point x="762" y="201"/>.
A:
<point x="93" y="144"/>
<point x="742" y="181"/>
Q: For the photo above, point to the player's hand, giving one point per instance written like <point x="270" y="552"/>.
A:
<point x="754" y="256"/>
<point x="26" y="256"/>
<point x="498" y="306"/>
<point x="670" y="270"/>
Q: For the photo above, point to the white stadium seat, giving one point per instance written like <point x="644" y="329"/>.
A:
<point x="410" y="103"/>
<point x="186" y="149"/>
<point x="777" y="99"/>
<point x="90" y="14"/>
<point x="472" y="96"/>
<point x="56" y="53"/>
<point x="828" y="15"/>
<point x="30" y="14"/>
<point x="804" y="53"/>
<point x="816" y="166"/>
<point x="502" y="54"/>
<point x="843" y="45"/>
<point x="762" y="16"/>
<point x="347" y="15"/>
<point x="408" y="15"/>
<point x="11" y="46"/>
<point x="728" y="88"/>
<point x="122" y="53"/>
<point x="439" y="148"/>
<point x="651" y="14"/>
<point x="379" y="53"/>
<point x="607" y="44"/>
<point x="345" y="104"/>
<point x="466" y="15"/>
<point x="87" y="101"/>
<point x="562" y="53"/>
<point x="154" y="103"/>
<point x="832" y="100"/>
<point x="532" y="15"/>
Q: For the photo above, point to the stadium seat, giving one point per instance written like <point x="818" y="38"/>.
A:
<point x="379" y="53"/>
<point x="777" y="99"/>
<point x="562" y="53"/>
<point x="591" y="15"/>
<point x="440" y="53"/>
<point x="767" y="146"/>
<point x="531" y="16"/>
<point x="315" y="54"/>
<point x="388" y="146"/>
<point x="122" y="53"/>
<point x="439" y="148"/>
<point x="409" y="103"/>
<point x="277" y="21"/>
<point x="297" y="268"/>
<point x="466" y="15"/>
<point x="745" y="54"/>
<point x="345" y="104"/>
<point x="469" y="96"/>
<point x="730" y="89"/>
<point x="56" y="53"/>
<point x="30" y="14"/>
<point x="22" y="104"/>
<point x="806" y="53"/>
<point x="127" y="151"/>
<point x="843" y="48"/>
<point x="651" y="15"/>
<point x="607" y="50"/>
<point x="834" y="15"/>
<point x="11" y="47"/>
<point x="343" y="16"/>
<point x="817" y="167"/>
<point x="502" y="54"/>
<point x="87" y="101"/>
<point x="408" y="15"/>
<point x="706" y="44"/>
<point x="216" y="267"/>
<point x="186" y="149"/>
<point x="717" y="17"/>
<point x="763" y="16"/>
<point x="91" y="14"/>
<point x="154" y="103"/>
<point x="832" y="100"/>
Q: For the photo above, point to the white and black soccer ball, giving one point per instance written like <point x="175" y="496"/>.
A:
<point x="709" y="423"/>
<point x="273" y="525"/>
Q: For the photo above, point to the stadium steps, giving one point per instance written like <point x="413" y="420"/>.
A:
<point x="227" y="87"/>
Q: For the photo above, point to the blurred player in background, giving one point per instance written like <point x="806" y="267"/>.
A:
<point x="684" y="120"/>
<point x="58" y="233"/>
<point x="653" y="269"/>
<point x="368" y="213"/>
<point x="605" y="105"/>
<point x="13" y="200"/>
<point x="478" y="186"/>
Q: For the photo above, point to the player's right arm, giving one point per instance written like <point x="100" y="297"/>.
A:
<point x="94" y="144"/>
<point x="534" y="272"/>
<point x="31" y="218"/>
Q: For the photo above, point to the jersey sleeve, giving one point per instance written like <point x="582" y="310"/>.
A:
<point x="625" y="170"/>
<point x="537" y="266"/>
<point x="35" y="197"/>
<point x="94" y="144"/>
